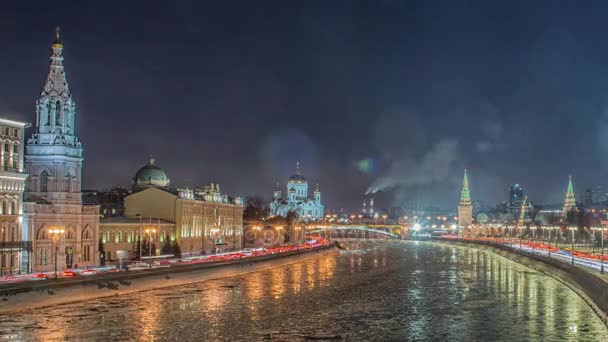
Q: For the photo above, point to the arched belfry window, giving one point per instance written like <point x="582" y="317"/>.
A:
<point x="58" y="114"/>
<point x="44" y="181"/>
<point x="67" y="185"/>
<point x="48" y="114"/>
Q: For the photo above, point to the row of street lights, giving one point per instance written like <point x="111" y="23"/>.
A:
<point x="550" y="229"/>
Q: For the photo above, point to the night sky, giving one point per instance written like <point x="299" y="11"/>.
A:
<point x="392" y="95"/>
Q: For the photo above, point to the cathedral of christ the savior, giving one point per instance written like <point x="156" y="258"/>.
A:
<point x="54" y="217"/>
<point x="297" y="200"/>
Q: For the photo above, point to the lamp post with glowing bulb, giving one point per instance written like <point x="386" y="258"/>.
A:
<point x="297" y="228"/>
<point x="215" y="232"/>
<point x="55" y="233"/>
<point x="601" y="229"/>
<point x="150" y="231"/>
<point x="572" y="229"/>
<point x="279" y="230"/>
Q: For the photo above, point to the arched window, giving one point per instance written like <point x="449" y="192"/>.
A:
<point x="48" y="117"/>
<point x="86" y="255"/>
<point x="67" y="185"/>
<point x="5" y="208"/>
<point x="14" y="208"/>
<point x="44" y="180"/>
<point x="58" y="114"/>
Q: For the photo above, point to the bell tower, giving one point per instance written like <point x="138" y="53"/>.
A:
<point x="53" y="157"/>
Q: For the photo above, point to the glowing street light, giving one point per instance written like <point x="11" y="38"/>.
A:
<point x="572" y="229"/>
<point x="601" y="229"/>
<point x="56" y="233"/>
<point x="150" y="231"/>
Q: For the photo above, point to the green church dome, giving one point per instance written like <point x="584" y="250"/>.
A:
<point x="150" y="175"/>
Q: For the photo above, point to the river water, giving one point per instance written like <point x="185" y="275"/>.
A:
<point x="383" y="291"/>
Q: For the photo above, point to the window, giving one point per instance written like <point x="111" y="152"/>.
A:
<point x="3" y="260"/>
<point x="7" y="147"/>
<point x="14" y="208"/>
<point x="44" y="179"/>
<point x="5" y="208"/>
<point x="67" y="185"/>
<point x="16" y="132"/>
<point x="43" y="259"/>
<point x="58" y="114"/>
<point x="86" y="253"/>
<point x="15" y="148"/>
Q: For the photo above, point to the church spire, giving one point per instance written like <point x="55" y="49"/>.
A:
<point x="58" y="37"/>
<point x="55" y="109"/>
<point x="297" y="168"/>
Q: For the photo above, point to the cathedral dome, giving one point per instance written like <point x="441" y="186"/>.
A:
<point x="297" y="178"/>
<point x="150" y="175"/>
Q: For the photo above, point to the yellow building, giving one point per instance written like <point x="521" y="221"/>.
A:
<point x="201" y="221"/>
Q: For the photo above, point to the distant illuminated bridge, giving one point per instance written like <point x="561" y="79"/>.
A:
<point x="358" y="231"/>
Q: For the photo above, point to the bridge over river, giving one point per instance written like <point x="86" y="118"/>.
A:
<point x="360" y="231"/>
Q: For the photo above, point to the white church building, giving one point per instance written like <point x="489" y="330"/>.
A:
<point x="297" y="199"/>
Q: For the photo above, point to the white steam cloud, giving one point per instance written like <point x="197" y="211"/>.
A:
<point x="433" y="167"/>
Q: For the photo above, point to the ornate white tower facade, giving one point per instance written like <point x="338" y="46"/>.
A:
<point x="53" y="159"/>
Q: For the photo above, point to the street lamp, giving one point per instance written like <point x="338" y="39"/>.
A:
<point x="150" y="232"/>
<point x="214" y="231"/>
<point x="55" y="233"/>
<point x="297" y="228"/>
<point x="601" y="229"/>
<point x="141" y="233"/>
<point x="572" y="229"/>
<point x="279" y="229"/>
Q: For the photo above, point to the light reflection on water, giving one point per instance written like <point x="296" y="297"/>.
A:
<point x="391" y="291"/>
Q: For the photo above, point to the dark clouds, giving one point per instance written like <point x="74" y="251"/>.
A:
<point x="236" y="91"/>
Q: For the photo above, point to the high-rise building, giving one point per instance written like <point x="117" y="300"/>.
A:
<point x="14" y="244"/>
<point x="53" y="160"/>
<point x="516" y="196"/>
<point x="465" y="208"/>
<point x="570" y="201"/>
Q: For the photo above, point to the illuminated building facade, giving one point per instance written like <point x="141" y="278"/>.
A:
<point x="14" y="247"/>
<point x="297" y="199"/>
<point x="53" y="160"/>
<point x="201" y="221"/>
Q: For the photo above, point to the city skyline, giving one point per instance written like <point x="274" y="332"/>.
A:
<point x="220" y="101"/>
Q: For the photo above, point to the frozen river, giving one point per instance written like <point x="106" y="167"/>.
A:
<point x="393" y="290"/>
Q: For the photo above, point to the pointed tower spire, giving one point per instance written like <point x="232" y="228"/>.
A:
<point x="465" y="207"/>
<point x="465" y="197"/>
<point x="57" y="37"/>
<point x="298" y="167"/>
<point x="55" y="108"/>
<point x="570" y="201"/>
